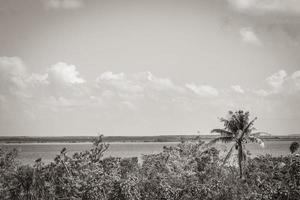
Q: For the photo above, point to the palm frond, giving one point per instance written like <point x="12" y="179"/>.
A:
<point x="225" y="139"/>
<point x="228" y="154"/>
<point x="256" y="140"/>
<point x="246" y="130"/>
<point x="250" y="124"/>
<point x="222" y="132"/>
<point x="238" y="123"/>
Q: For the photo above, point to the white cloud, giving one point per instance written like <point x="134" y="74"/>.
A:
<point x="65" y="73"/>
<point x="277" y="79"/>
<point x="262" y="92"/>
<point x="18" y="85"/>
<point x="111" y="76"/>
<point x="13" y="66"/>
<point x="37" y="79"/>
<point x="136" y="82"/>
<point x="161" y="83"/>
<point x="249" y="36"/>
<point x="277" y="82"/>
<point x="118" y="82"/>
<point x="63" y="4"/>
<point x="281" y="83"/>
<point x="296" y="79"/>
<point x="202" y="90"/>
<point x="142" y="96"/>
<point x="238" y="89"/>
<point x="263" y="6"/>
<point x="296" y="75"/>
<point x="12" y="74"/>
<point x="60" y="101"/>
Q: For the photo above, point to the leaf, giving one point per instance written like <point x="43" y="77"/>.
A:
<point x="249" y="125"/>
<point x="63" y="151"/>
<point x="246" y="130"/>
<point x="222" y="132"/>
<point x="294" y="147"/>
<point x="225" y="139"/>
<point x="256" y="140"/>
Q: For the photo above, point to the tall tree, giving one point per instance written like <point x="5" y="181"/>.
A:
<point x="238" y="129"/>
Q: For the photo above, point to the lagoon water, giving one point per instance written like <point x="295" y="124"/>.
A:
<point x="29" y="152"/>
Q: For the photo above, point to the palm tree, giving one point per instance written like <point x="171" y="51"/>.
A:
<point x="238" y="129"/>
<point x="294" y="147"/>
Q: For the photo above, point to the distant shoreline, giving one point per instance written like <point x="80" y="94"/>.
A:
<point x="127" y="139"/>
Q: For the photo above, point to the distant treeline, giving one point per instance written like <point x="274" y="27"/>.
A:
<point x="163" y="138"/>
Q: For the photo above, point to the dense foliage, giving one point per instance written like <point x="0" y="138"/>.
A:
<point x="294" y="147"/>
<point x="188" y="171"/>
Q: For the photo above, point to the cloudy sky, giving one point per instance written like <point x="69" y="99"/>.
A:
<point x="147" y="67"/>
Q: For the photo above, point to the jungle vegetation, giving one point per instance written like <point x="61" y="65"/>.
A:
<point x="191" y="170"/>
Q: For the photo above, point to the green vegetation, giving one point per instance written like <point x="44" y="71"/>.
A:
<point x="188" y="171"/>
<point x="191" y="170"/>
<point x="294" y="147"/>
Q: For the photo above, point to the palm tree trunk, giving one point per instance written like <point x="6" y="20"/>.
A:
<point x="240" y="159"/>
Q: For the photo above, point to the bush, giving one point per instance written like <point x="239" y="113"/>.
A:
<point x="188" y="171"/>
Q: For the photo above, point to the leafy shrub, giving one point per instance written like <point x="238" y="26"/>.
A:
<point x="188" y="171"/>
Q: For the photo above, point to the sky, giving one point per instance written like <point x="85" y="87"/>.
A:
<point x="147" y="67"/>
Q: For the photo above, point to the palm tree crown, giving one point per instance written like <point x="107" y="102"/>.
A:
<point x="238" y="129"/>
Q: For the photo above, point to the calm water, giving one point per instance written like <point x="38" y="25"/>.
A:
<point x="47" y="151"/>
